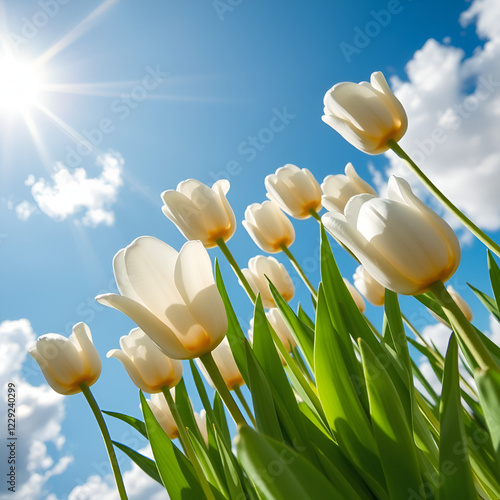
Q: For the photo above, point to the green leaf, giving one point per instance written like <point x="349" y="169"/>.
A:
<point x="302" y="333"/>
<point x="391" y="429"/>
<point x="185" y="409"/>
<point x="455" y="474"/>
<point x="137" y="424"/>
<point x="487" y="301"/>
<point x="235" y="335"/>
<point x="278" y="472"/>
<point x="304" y="317"/>
<point x="344" y="411"/>
<point x="220" y="416"/>
<point x="262" y="398"/>
<point x="488" y="384"/>
<point x="176" y="472"/>
<point x="144" y="463"/>
<point x="494" y="278"/>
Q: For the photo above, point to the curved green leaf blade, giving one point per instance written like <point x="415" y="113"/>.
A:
<point x="144" y="463"/>
<point x="455" y="474"/>
<point x="137" y="424"/>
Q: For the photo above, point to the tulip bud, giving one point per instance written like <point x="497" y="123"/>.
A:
<point x="228" y="368"/>
<point x="201" y="420"/>
<point x="461" y="303"/>
<point x="163" y="415"/>
<point x="281" y="328"/>
<point x="66" y="363"/>
<point x="259" y="268"/>
<point x="360" y="303"/>
<point x="147" y="366"/>
<point x="339" y="189"/>
<point x="365" y="114"/>
<point x="295" y="191"/>
<point x="400" y="241"/>
<point x="268" y="226"/>
<point x="371" y="290"/>
<point x="201" y="213"/>
<point x="171" y="296"/>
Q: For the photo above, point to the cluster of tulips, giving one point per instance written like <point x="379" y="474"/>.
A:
<point x="335" y="411"/>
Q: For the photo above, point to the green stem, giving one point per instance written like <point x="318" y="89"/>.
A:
<point x="220" y="385"/>
<point x="243" y="401"/>
<point x="299" y="270"/>
<point x="315" y="214"/>
<point x="107" y="439"/>
<point x="186" y="443"/>
<point x="480" y="235"/>
<point x="462" y="327"/>
<point x="229" y="256"/>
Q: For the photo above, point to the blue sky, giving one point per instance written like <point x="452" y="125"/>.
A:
<point x="166" y="91"/>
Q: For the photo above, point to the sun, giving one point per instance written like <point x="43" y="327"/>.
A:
<point x="20" y="84"/>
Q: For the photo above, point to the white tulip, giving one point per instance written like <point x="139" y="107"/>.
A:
<point x="66" y="363"/>
<point x="365" y="114"/>
<point x="339" y="189"/>
<point x="360" y="303"/>
<point x="400" y="241"/>
<point x="159" y="406"/>
<point x="228" y="368"/>
<point x="201" y="420"/>
<point x="259" y="269"/>
<point x="200" y="212"/>
<point x="371" y="289"/>
<point x="268" y="226"/>
<point x="295" y="191"/>
<point x="171" y="296"/>
<point x="281" y="328"/>
<point x="148" y="367"/>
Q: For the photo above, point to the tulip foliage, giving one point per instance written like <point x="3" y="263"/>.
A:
<point x="339" y="408"/>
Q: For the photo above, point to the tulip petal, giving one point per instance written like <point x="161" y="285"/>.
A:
<point x="196" y="284"/>
<point x="155" y="329"/>
<point x="121" y="277"/>
<point x="131" y="369"/>
<point x="89" y="354"/>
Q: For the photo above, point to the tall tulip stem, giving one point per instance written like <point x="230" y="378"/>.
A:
<point x="244" y="403"/>
<point x="212" y="369"/>
<point x="462" y="327"/>
<point x="186" y="444"/>
<point x="299" y="270"/>
<point x="229" y="256"/>
<point x="107" y="439"/>
<point x="480" y="235"/>
<point x="315" y="215"/>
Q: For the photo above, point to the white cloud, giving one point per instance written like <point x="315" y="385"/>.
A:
<point x="453" y="106"/>
<point x="25" y="210"/>
<point x="73" y="193"/>
<point x="137" y="484"/>
<point x="39" y="413"/>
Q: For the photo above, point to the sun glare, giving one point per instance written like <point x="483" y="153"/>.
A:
<point x="20" y="84"/>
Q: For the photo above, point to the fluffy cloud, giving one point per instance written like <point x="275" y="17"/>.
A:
<point x="73" y="193"/>
<point x="137" y="483"/>
<point x="39" y="413"/>
<point x="453" y="106"/>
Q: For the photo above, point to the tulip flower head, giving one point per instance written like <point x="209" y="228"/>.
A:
<point x="159" y="406"/>
<point x="281" y="328"/>
<point x="66" y="363"/>
<point x="268" y="226"/>
<point x="295" y="191"/>
<point x="171" y="296"/>
<point x="400" y="241"/>
<point x="371" y="289"/>
<point x="259" y="269"/>
<point x="200" y="212"/>
<point x="339" y="189"/>
<point x="365" y="114"/>
<point x="360" y="303"/>
<point x="228" y="368"/>
<point x="461" y="303"/>
<point x="148" y="367"/>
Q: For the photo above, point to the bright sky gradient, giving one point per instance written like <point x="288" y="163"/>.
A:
<point x="164" y="91"/>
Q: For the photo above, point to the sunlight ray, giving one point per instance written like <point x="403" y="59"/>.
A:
<point x="80" y="29"/>
<point x="71" y="132"/>
<point x="38" y="142"/>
